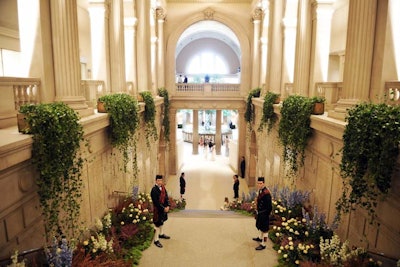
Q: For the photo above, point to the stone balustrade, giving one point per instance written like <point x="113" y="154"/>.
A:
<point x="392" y="91"/>
<point x="92" y="90"/>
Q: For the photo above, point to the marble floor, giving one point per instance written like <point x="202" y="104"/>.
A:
<point x="202" y="234"/>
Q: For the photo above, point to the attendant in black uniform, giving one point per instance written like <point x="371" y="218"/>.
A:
<point x="243" y="167"/>
<point x="264" y="208"/>
<point x="159" y="196"/>
<point x="182" y="184"/>
<point x="236" y="186"/>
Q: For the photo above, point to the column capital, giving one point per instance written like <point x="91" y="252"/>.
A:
<point x="160" y="14"/>
<point x="257" y="15"/>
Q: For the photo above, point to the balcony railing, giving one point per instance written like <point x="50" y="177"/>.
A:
<point x="92" y="90"/>
<point x="207" y="89"/>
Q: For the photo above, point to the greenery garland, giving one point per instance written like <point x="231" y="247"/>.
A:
<point x="123" y="110"/>
<point x="370" y="150"/>
<point x="165" y="122"/>
<point x="57" y="134"/>
<point x="149" y="117"/>
<point x="295" y="130"/>
<point x="268" y="116"/>
<point x="249" y="112"/>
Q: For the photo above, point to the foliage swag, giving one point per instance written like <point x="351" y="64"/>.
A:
<point x="55" y="153"/>
<point x="149" y="117"/>
<point x="165" y="122"/>
<point x="268" y="115"/>
<point x="123" y="110"/>
<point x="370" y="149"/>
<point x="249" y="113"/>
<point x="295" y="130"/>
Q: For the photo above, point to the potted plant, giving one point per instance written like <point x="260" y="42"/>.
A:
<point x="57" y="135"/>
<point x="165" y="122"/>
<point x="370" y="150"/>
<point x="295" y="130"/>
<point x="249" y="113"/>
<point x="268" y="115"/>
<point x="319" y="105"/>
<point x="149" y="117"/>
<point x="123" y="110"/>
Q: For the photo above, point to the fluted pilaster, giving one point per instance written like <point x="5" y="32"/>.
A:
<point x="303" y="49"/>
<point x="172" y="143"/>
<point x="67" y="73"/>
<point x="143" y="45"/>
<point x="99" y="16"/>
<point x="359" y="55"/>
<point x="130" y="51"/>
<point x="321" y="20"/>
<point x="274" y="57"/>
<point x="117" y="50"/>
<point x="218" y="132"/>
<point x="160" y="47"/>
<point x="256" y="48"/>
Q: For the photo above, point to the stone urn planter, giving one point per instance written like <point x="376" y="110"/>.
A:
<point x="23" y="126"/>
<point x="318" y="109"/>
<point x="100" y="107"/>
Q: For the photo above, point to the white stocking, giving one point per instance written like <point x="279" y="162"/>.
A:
<point x="156" y="233"/>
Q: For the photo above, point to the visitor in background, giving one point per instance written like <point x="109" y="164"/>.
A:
<point x="180" y="79"/>
<point x="185" y="80"/>
<point x="236" y="187"/>
<point x="242" y="167"/>
<point x="226" y="204"/>
<point x="263" y="209"/>
<point x="226" y="146"/>
<point x="159" y="196"/>
<point x="182" y="184"/>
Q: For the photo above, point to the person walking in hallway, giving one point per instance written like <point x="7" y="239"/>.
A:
<point x="242" y="167"/>
<point x="159" y="196"/>
<point x="182" y="184"/>
<point x="264" y="208"/>
<point x="236" y="187"/>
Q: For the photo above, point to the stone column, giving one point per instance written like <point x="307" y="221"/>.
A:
<point x="160" y="47"/>
<point x="130" y="51"/>
<point x="117" y="50"/>
<point x="218" y="132"/>
<point x="274" y="57"/>
<point x="195" y="133"/>
<point x="67" y="71"/>
<point x="255" y="80"/>
<point x="99" y="15"/>
<point x="154" y="66"/>
<point x="359" y="55"/>
<point x="172" y="143"/>
<point x="264" y="47"/>
<point x="321" y="35"/>
<point x="303" y="49"/>
<point x="289" y="44"/>
<point x="143" y="45"/>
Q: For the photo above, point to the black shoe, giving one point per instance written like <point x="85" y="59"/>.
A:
<point x="158" y="244"/>
<point x="164" y="236"/>
<point x="260" y="247"/>
<point x="257" y="239"/>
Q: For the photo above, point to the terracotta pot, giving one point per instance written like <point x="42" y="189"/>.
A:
<point x="277" y="101"/>
<point x="100" y="107"/>
<point x="23" y="126"/>
<point x="140" y="98"/>
<point x="318" y="109"/>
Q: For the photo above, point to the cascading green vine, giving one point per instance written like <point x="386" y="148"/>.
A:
<point x="57" y="135"/>
<point x="370" y="150"/>
<point x="268" y="115"/>
<point x="123" y="110"/>
<point x="295" y="130"/>
<point x="165" y="122"/>
<point x="249" y="112"/>
<point x="149" y="117"/>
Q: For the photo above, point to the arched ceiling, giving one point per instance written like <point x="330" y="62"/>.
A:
<point x="208" y="29"/>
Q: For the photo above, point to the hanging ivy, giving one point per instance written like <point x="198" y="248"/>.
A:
<point x="149" y="117"/>
<point x="123" y="110"/>
<point x="165" y="121"/>
<point x="57" y="135"/>
<point x="370" y="150"/>
<point x="249" y="112"/>
<point x="269" y="117"/>
<point x="295" y="130"/>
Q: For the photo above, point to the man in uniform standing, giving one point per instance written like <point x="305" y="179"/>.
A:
<point x="182" y="184"/>
<point x="264" y="208"/>
<point x="159" y="196"/>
